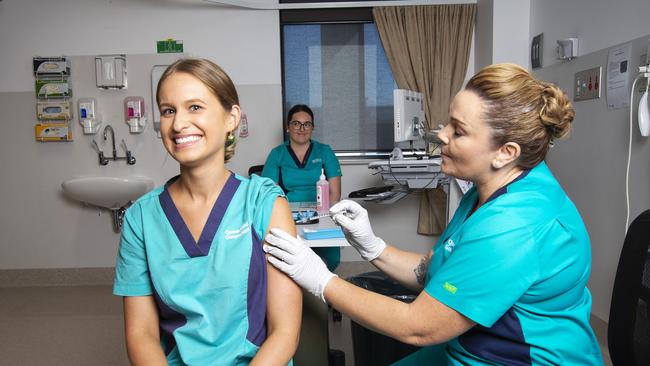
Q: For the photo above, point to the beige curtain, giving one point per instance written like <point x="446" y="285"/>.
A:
<point x="428" y="49"/>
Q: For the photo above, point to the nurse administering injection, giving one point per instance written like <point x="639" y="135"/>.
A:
<point x="506" y="281"/>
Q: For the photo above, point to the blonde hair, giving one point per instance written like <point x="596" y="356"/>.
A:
<point x="215" y="79"/>
<point x="522" y="109"/>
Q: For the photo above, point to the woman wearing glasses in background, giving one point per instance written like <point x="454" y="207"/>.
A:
<point x="296" y="166"/>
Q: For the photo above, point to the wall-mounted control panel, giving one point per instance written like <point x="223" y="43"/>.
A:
<point x="587" y="84"/>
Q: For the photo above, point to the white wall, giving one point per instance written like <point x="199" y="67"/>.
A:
<point x="243" y="42"/>
<point x="511" y="27"/>
<point x="41" y="228"/>
<point x="483" y="33"/>
<point x="502" y="28"/>
<point x="598" y="23"/>
<point x="591" y="163"/>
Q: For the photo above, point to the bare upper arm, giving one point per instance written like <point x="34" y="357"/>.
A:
<point x="284" y="308"/>
<point x="141" y="316"/>
<point x="335" y="188"/>
<point x="142" y="331"/>
<point x="433" y="322"/>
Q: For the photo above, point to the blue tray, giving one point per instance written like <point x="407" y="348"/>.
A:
<point x="315" y="234"/>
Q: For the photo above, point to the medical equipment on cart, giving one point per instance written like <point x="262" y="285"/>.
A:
<point x="402" y="174"/>
<point x="412" y="173"/>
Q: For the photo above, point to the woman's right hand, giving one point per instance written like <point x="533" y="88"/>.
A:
<point x="354" y="221"/>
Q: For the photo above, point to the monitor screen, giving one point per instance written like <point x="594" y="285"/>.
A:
<point x="408" y="113"/>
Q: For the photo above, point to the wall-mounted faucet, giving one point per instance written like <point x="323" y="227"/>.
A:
<point x="130" y="159"/>
<point x="108" y="129"/>
<point x="103" y="160"/>
<point x="100" y="153"/>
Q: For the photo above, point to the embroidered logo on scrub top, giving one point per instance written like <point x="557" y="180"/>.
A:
<point x="316" y="160"/>
<point x="234" y="234"/>
<point x="449" y="245"/>
<point x="450" y="288"/>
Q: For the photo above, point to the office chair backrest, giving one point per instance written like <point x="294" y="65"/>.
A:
<point x="255" y="169"/>
<point x="628" y="335"/>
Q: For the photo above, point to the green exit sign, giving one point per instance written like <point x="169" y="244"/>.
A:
<point x="170" y="46"/>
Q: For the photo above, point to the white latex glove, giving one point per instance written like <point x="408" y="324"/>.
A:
<point x="290" y="255"/>
<point x="354" y="221"/>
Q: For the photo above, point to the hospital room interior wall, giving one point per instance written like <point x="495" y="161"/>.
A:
<point x="483" y="33"/>
<point x="591" y="163"/>
<point x="502" y="28"/>
<point x="597" y="23"/>
<point x="43" y="229"/>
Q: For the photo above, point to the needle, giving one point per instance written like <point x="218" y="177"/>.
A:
<point x="312" y="218"/>
<point x="307" y="219"/>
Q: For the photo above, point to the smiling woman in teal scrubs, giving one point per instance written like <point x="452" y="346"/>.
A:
<point x="197" y="289"/>
<point x="506" y="282"/>
<point x="296" y="166"/>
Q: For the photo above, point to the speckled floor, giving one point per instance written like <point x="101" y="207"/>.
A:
<point x="83" y="325"/>
<point x="77" y="325"/>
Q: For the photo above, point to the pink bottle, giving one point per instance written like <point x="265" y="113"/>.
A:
<point x="322" y="194"/>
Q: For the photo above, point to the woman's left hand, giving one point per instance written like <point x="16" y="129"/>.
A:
<point x="290" y="255"/>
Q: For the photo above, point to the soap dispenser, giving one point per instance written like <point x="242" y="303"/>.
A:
<point x="88" y="116"/>
<point x="322" y="194"/>
<point x="134" y="114"/>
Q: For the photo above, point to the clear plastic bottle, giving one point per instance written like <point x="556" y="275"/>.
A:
<point x="322" y="194"/>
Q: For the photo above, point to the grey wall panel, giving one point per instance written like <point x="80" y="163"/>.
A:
<point x="591" y="167"/>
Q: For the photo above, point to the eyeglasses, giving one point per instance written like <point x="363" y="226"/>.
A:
<point x="297" y="125"/>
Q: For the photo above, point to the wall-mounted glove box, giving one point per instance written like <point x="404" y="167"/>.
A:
<point x="45" y="67"/>
<point x="52" y="132"/>
<point x="53" y="110"/>
<point x="53" y="89"/>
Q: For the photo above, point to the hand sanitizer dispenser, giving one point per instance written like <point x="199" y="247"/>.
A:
<point x="88" y="117"/>
<point x="134" y="114"/>
<point x="322" y="194"/>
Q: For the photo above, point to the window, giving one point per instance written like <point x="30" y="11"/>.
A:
<point x="337" y="66"/>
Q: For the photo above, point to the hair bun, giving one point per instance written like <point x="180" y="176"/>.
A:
<point x="557" y="112"/>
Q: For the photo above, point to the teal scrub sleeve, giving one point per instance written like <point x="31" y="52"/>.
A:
<point x="271" y="166"/>
<point x="493" y="261"/>
<point x="331" y="162"/>
<point x="263" y="198"/>
<point x="131" y="269"/>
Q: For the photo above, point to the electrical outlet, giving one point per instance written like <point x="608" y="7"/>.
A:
<point x="587" y="84"/>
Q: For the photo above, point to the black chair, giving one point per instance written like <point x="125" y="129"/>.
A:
<point x="255" y="169"/>
<point x="628" y="336"/>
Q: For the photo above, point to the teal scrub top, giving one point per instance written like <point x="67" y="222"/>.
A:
<point x="518" y="267"/>
<point x="211" y="295"/>
<point x="298" y="179"/>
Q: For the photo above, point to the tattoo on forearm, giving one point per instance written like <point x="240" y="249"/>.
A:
<point x="421" y="269"/>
